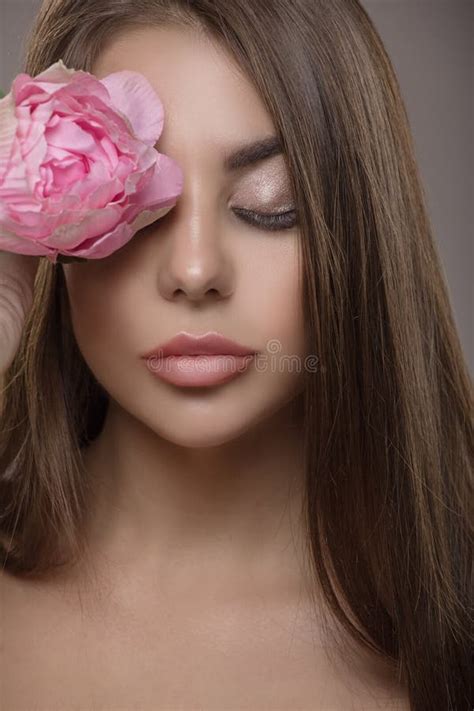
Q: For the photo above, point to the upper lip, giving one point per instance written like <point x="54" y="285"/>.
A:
<point x="211" y="343"/>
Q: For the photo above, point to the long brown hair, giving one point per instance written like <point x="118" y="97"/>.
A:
<point x="388" y="427"/>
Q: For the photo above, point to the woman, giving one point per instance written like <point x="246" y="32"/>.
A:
<point x="296" y="536"/>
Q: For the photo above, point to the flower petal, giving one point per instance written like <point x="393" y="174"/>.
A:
<point x="11" y="243"/>
<point x="91" y="225"/>
<point x="166" y="182"/>
<point x="94" y="248"/>
<point x="147" y="217"/>
<point x="134" y="96"/>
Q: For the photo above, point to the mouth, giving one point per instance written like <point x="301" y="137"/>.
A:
<point x="211" y="343"/>
<point x="199" y="361"/>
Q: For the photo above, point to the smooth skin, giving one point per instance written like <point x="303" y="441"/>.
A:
<point x="194" y="529"/>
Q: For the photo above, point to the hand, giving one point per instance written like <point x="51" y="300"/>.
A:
<point x="17" y="276"/>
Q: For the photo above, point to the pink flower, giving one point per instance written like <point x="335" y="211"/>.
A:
<point x="79" y="174"/>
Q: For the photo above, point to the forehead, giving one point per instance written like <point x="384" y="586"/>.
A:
<point x="209" y="104"/>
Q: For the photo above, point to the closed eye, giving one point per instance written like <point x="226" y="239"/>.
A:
<point x="268" y="221"/>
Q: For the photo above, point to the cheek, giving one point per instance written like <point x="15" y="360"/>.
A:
<point x="280" y="299"/>
<point x="100" y="313"/>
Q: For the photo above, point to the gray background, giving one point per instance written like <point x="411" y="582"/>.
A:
<point x="430" y="44"/>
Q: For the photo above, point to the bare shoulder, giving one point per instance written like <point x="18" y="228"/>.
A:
<point x="134" y="653"/>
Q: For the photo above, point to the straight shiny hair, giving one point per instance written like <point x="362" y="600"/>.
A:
<point x="387" y="415"/>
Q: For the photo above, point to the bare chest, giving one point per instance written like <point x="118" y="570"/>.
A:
<point x="234" y="657"/>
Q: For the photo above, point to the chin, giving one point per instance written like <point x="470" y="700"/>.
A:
<point x="200" y="432"/>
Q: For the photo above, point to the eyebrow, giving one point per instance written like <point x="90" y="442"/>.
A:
<point x="254" y="152"/>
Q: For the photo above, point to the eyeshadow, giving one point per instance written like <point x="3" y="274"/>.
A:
<point x="267" y="186"/>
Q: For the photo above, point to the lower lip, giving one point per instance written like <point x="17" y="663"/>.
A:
<point x="198" y="370"/>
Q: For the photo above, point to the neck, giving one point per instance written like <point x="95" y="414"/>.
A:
<point x="235" y="506"/>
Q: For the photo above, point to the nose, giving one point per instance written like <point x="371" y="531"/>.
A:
<point x="196" y="263"/>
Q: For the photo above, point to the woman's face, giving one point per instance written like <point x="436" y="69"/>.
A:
<point x="202" y="267"/>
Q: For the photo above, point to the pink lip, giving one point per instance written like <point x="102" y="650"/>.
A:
<point x="198" y="361"/>
<point x="211" y="343"/>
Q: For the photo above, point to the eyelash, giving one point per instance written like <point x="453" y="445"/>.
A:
<point x="270" y="222"/>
